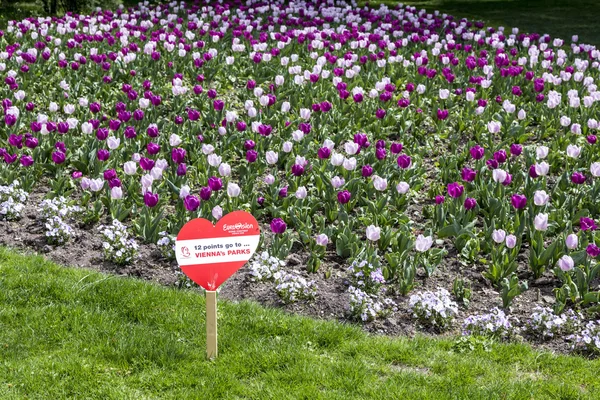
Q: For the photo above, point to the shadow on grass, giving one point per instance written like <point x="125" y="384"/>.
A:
<point x="560" y="18"/>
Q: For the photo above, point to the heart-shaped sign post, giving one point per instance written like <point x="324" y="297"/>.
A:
<point x="209" y="254"/>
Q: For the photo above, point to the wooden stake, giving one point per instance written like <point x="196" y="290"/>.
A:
<point x="211" y="324"/>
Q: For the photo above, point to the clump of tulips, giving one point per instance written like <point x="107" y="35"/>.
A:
<point x="390" y="135"/>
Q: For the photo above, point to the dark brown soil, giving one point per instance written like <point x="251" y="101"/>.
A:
<point x="331" y="302"/>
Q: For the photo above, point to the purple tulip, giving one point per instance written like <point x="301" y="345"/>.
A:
<point x="109" y="174"/>
<point x="26" y="160"/>
<point x="367" y="171"/>
<point x="518" y="201"/>
<point x="404" y="161"/>
<point x="205" y="193"/>
<point x="592" y="250"/>
<point x="95" y="107"/>
<point x="477" y="152"/>
<point x="63" y="127"/>
<point x="470" y="203"/>
<point x="592" y="139"/>
<point x="260" y="201"/>
<point x="124" y="116"/>
<point x="58" y="157"/>
<point x="380" y="113"/>
<point x="324" y="152"/>
<point x="102" y="154"/>
<point x="152" y="131"/>
<point x="146" y="163"/>
<point x="344" y="196"/>
<point x="297" y="170"/>
<point x="278" y="226"/>
<point x="9" y="159"/>
<point x="240" y="126"/>
<point x="150" y="199"/>
<point x="305" y="127"/>
<point x="500" y="156"/>
<point x="114" y="124"/>
<point x="516" y="149"/>
<point x="138" y="115"/>
<point x="439" y="199"/>
<point x="218" y="105"/>
<point x="130" y="132"/>
<point x="403" y="103"/>
<point x="578" y="178"/>
<point x="60" y="146"/>
<point x="102" y="134"/>
<point x="587" y="224"/>
<point x="16" y="141"/>
<point x="380" y="153"/>
<point x="468" y="174"/>
<point x="442" y="114"/>
<point x="265" y="130"/>
<point x="455" y="190"/>
<point x="178" y="155"/>
<point x="215" y="184"/>
<point x="152" y="148"/>
<point x="116" y="182"/>
<point x="249" y="144"/>
<point x="251" y="156"/>
<point x="396" y="148"/>
<point x="532" y="172"/>
<point x="361" y="139"/>
<point x="181" y="169"/>
<point x="76" y="174"/>
<point x="193" y="115"/>
<point x="191" y="203"/>
<point x="491" y="163"/>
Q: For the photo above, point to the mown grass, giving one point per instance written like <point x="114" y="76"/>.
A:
<point x="73" y="333"/>
<point x="560" y="18"/>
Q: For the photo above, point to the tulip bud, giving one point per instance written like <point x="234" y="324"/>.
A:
<point x="403" y="187"/>
<point x="540" y="198"/>
<point x="566" y="263"/>
<point x="116" y="193"/>
<point x="373" y="233"/>
<point x="233" y="190"/>
<point x="541" y="222"/>
<point x="572" y="241"/>
<point x="511" y="241"/>
<point x="423" y="243"/>
<point x="301" y="193"/>
<point x="498" y="235"/>
<point x="217" y="212"/>
<point x="322" y="240"/>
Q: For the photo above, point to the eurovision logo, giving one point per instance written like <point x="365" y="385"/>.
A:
<point x="209" y="254"/>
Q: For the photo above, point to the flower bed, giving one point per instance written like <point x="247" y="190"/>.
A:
<point x="381" y="149"/>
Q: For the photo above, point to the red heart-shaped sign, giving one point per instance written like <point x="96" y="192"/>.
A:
<point x="209" y="254"/>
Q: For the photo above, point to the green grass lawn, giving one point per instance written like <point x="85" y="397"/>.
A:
<point x="562" y="18"/>
<point x="73" y="333"/>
